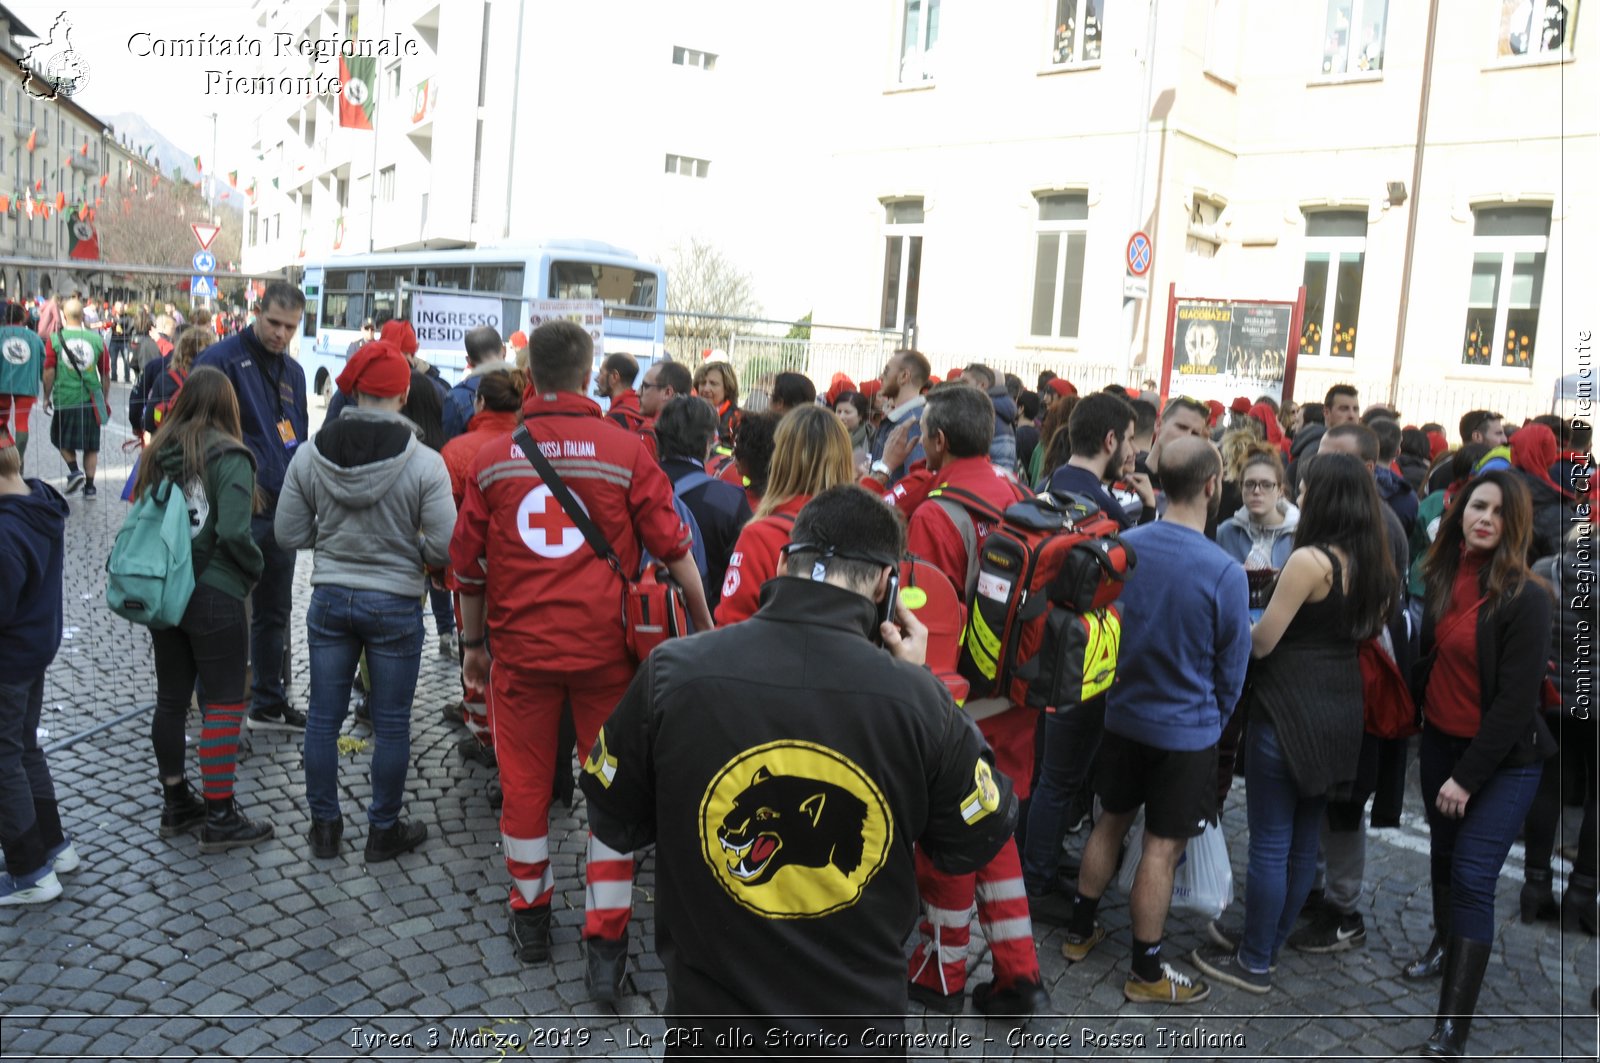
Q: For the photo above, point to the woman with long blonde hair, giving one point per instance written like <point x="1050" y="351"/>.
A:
<point x="811" y="453"/>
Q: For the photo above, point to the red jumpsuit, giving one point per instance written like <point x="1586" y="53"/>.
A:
<point x="554" y="612"/>
<point x="940" y="959"/>
<point x="625" y="411"/>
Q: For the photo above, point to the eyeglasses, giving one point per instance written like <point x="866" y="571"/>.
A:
<point x="1252" y="486"/>
<point x="646" y="386"/>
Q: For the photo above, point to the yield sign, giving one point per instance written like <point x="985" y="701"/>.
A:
<point x="205" y="234"/>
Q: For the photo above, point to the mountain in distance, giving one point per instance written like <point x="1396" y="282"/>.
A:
<point x="135" y="131"/>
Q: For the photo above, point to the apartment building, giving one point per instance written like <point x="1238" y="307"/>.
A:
<point x="975" y="171"/>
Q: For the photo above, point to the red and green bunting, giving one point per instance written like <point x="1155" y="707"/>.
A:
<point x="358" y="94"/>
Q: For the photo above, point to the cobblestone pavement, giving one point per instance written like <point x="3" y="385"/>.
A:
<point x="154" y="950"/>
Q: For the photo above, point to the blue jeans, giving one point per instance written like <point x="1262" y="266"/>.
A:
<point x="270" y="603"/>
<point x="444" y="611"/>
<point x="340" y="624"/>
<point x="1284" y="831"/>
<point x="1070" y="742"/>
<point x="1467" y="853"/>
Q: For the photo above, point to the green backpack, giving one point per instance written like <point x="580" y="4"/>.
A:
<point x="150" y="573"/>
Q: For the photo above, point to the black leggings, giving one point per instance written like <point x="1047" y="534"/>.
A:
<point x="1577" y="757"/>
<point x="211" y="644"/>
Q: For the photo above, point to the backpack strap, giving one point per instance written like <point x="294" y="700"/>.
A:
<point x="689" y="481"/>
<point x="960" y="505"/>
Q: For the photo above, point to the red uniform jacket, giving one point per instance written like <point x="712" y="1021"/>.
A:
<point x="459" y="452"/>
<point x="551" y="602"/>
<point x="755" y="560"/>
<point x="625" y="411"/>
<point x="933" y="535"/>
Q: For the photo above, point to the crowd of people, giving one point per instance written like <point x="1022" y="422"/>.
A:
<point x="811" y="795"/>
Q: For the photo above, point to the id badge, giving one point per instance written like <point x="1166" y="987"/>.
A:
<point x="286" y="433"/>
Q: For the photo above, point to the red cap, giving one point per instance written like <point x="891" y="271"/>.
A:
<point x="840" y="384"/>
<point x="400" y="335"/>
<point x="1216" y="409"/>
<point x="1062" y="387"/>
<point x="377" y="369"/>
<point x="519" y="339"/>
<point x="1240" y="405"/>
<point x="871" y="387"/>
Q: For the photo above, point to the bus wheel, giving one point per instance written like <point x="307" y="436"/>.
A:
<point x="325" y="386"/>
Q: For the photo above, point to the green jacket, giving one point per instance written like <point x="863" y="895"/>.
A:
<point x="221" y="503"/>
<point x="1429" y="511"/>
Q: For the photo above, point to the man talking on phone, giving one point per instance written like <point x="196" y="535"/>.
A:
<point x="784" y="767"/>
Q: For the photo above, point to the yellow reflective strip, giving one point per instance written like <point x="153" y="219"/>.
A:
<point x="983" y="644"/>
<point x="1100" y="658"/>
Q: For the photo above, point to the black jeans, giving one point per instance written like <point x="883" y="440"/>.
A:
<point x="269" y="619"/>
<point x="210" y="643"/>
<point x="25" y="781"/>
<point x="1577" y="758"/>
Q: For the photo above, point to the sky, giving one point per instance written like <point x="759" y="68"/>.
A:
<point x="169" y="93"/>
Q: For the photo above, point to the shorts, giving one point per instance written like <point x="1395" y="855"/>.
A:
<point x="1178" y="788"/>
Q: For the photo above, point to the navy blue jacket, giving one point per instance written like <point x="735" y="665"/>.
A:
<point x="458" y="404"/>
<point x="32" y="544"/>
<point x="255" y="373"/>
<point x="1398" y="494"/>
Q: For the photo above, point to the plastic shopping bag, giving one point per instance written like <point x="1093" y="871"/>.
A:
<point x="1203" y="881"/>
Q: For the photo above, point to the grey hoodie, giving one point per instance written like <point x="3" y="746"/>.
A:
<point x="372" y="501"/>
<point x="1240" y="536"/>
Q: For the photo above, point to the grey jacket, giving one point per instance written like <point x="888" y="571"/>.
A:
<point x="372" y="501"/>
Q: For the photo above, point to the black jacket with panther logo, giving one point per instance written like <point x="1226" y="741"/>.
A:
<point x="785" y="767"/>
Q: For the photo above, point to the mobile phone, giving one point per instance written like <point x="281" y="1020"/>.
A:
<point x="886" y="608"/>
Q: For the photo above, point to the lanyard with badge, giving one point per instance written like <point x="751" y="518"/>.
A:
<point x="285" y="426"/>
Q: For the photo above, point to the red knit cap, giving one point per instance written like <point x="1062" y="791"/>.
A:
<point x="399" y="333"/>
<point x="519" y="339"/>
<point x="377" y="369"/>
<point x="1062" y="387"/>
<point x="840" y="384"/>
<point x="1240" y="405"/>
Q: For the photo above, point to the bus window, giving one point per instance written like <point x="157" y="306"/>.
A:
<point x="346" y="280"/>
<point x="382" y="307"/>
<point x="343" y="309"/>
<point x="507" y="280"/>
<point x="612" y="284"/>
<point x="389" y="279"/>
<point x="445" y="277"/>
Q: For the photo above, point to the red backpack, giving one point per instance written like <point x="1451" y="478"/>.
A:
<point x="1042" y="629"/>
<point x="928" y="593"/>
<point x="159" y="410"/>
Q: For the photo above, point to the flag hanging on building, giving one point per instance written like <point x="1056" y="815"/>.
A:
<point x="197" y="164"/>
<point x="358" y="94"/>
<point x="233" y="178"/>
<point x="61" y="200"/>
<point x="104" y="178"/>
<point x="33" y="139"/>
<point x="82" y="241"/>
<point x="83" y="149"/>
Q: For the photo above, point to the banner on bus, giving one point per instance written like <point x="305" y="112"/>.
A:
<point x="1224" y="348"/>
<point x="443" y="321"/>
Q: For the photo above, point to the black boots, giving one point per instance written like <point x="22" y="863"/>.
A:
<point x="181" y="808"/>
<point x="1538" y="900"/>
<point x="1464" y="964"/>
<point x="605" y="962"/>
<point x="325" y="838"/>
<point x="1431" y="963"/>
<point x="401" y="836"/>
<point x="227" y="828"/>
<point x="1577" y="905"/>
<point x="530" y="933"/>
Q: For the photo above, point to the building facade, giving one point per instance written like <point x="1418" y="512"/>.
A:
<point x="976" y="171"/>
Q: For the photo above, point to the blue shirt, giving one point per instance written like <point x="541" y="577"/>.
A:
<point x="1185" y="640"/>
<point x="271" y="388"/>
<point x="1083" y="482"/>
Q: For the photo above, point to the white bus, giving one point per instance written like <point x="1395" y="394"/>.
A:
<point x="483" y="285"/>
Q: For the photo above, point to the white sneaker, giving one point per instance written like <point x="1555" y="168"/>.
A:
<point x="64" y="857"/>
<point x="44" y="888"/>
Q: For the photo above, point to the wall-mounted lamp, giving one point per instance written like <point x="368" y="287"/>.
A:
<point x="1397" y="193"/>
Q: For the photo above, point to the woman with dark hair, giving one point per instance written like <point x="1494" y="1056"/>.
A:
<point x="1055" y="445"/>
<point x="1260" y="535"/>
<point x="851" y="406"/>
<point x="199" y="449"/>
<point x="1415" y="458"/>
<point x="1337" y="588"/>
<point x="811" y="453"/>
<point x="753" y="442"/>
<point x="1486" y="638"/>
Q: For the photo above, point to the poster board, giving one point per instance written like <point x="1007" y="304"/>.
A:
<point x="1224" y="348"/>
